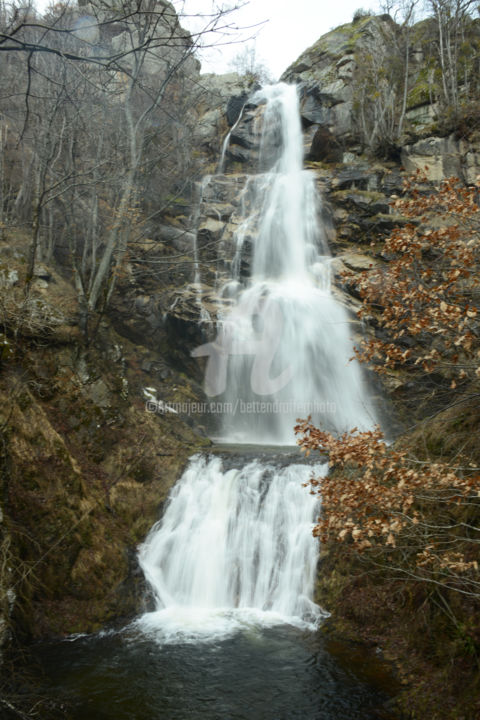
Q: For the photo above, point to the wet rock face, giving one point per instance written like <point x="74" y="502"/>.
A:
<point x="321" y="144"/>
<point x="244" y="138"/>
<point x="222" y="206"/>
<point x="235" y="106"/>
<point x="219" y="109"/>
<point x="193" y="308"/>
<point x="179" y="311"/>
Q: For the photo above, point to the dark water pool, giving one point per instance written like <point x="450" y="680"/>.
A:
<point x="279" y="673"/>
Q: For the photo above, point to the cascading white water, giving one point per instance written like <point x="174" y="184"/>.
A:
<point x="233" y="549"/>
<point x="288" y="341"/>
<point x="235" y="546"/>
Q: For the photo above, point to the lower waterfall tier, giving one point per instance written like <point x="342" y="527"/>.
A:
<point x="234" y="548"/>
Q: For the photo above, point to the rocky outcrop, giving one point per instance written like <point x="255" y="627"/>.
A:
<point x="442" y="157"/>
<point x="360" y="196"/>
<point x="98" y="31"/>
<point x="330" y="77"/>
<point x="220" y="104"/>
<point x="325" y="72"/>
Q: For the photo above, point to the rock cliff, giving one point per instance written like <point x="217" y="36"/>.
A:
<point x="337" y="72"/>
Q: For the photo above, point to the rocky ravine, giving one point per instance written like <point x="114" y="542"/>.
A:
<point x="84" y="466"/>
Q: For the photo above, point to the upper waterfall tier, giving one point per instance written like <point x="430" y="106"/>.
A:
<point x="283" y="348"/>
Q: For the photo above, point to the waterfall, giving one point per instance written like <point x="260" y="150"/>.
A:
<point x="285" y="346"/>
<point x="235" y="547"/>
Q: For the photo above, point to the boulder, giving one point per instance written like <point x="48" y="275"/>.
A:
<point x="219" y="211"/>
<point x="8" y="278"/>
<point x="325" y="147"/>
<point x="179" y="238"/>
<point x="355" y="262"/>
<point x="40" y="272"/>
<point x="360" y="176"/>
<point x="369" y="202"/>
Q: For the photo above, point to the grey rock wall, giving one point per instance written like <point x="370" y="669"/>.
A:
<point x="442" y="157"/>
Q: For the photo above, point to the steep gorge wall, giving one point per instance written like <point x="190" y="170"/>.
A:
<point x="84" y="470"/>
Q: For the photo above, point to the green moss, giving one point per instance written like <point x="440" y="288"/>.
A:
<point x="24" y="400"/>
<point x="84" y="483"/>
<point x="425" y="87"/>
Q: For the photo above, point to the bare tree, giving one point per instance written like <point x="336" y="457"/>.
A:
<point x="403" y="13"/>
<point x="377" y="81"/>
<point x="104" y="97"/>
<point x="247" y="63"/>
<point x="451" y="18"/>
<point x="384" y="77"/>
<point x="80" y="36"/>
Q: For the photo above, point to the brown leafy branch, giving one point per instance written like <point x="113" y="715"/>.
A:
<point x="428" y="291"/>
<point x="375" y="497"/>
